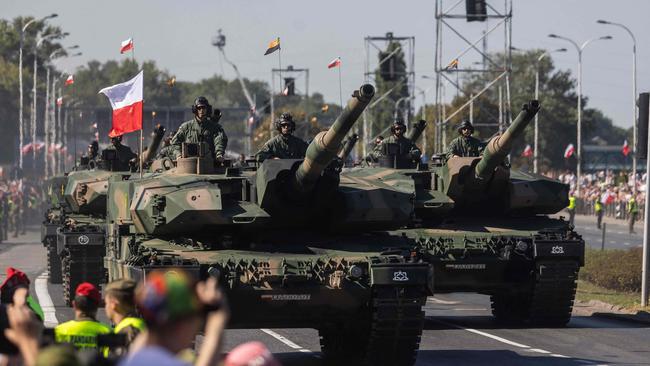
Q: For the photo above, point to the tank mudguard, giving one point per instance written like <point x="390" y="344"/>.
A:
<point x="402" y="274"/>
<point x="570" y="249"/>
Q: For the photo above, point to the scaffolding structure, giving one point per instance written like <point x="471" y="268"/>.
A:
<point x="403" y="107"/>
<point x="448" y="69"/>
<point x="293" y="74"/>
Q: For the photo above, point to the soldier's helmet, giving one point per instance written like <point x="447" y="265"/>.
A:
<point x="466" y="124"/>
<point x="398" y="123"/>
<point x="285" y="118"/>
<point x="94" y="146"/>
<point x="201" y="102"/>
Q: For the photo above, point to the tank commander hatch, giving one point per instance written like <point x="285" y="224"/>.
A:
<point x="204" y="127"/>
<point x="465" y="145"/>
<point x="284" y="145"/>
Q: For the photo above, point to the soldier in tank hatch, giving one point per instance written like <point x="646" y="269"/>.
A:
<point x="285" y="145"/>
<point x="123" y="154"/>
<point x="204" y="127"/>
<point x="407" y="148"/>
<point x="465" y="145"/>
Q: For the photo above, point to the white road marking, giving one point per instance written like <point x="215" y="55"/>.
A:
<point x="439" y="301"/>
<point x="44" y="299"/>
<point x="502" y="340"/>
<point x="626" y="243"/>
<point x="286" y="341"/>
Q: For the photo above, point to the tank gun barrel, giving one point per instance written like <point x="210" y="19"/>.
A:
<point x="326" y="145"/>
<point x="416" y="130"/>
<point x="348" y="145"/>
<point x="156" y="138"/>
<point x="499" y="146"/>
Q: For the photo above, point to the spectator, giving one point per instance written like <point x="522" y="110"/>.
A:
<point x="120" y="309"/>
<point x="171" y="307"/>
<point x="251" y="353"/>
<point x="82" y="332"/>
<point x="15" y="280"/>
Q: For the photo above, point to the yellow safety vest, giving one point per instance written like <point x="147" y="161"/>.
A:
<point x="572" y="203"/>
<point x="136" y="323"/>
<point x="598" y="206"/>
<point x="632" y="206"/>
<point x="80" y="333"/>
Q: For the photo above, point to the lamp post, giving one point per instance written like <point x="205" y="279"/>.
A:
<point x="635" y="112"/>
<point x="579" y="49"/>
<point x="20" y="83"/>
<point x="539" y="60"/>
<point x="36" y="46"/>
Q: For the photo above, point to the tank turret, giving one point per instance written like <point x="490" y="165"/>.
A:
<point x="480" y="183"/>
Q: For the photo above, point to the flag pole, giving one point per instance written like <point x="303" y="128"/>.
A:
<point x="280" y="63"/>
<point x="340" y="89"/>
<point x="141" y="155"/>
<point x="132" y="50"/>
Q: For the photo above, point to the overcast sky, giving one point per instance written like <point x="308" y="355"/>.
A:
<point x="177" y="35"/>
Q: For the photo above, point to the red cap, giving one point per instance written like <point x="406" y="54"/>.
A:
<point x="90" y="291"/>
<point x="251" y="353"/>
<point x="14" y="278"/>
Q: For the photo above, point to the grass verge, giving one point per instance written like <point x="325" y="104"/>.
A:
<point x="629" y="300"/>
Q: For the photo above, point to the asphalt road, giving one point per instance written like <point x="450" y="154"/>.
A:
<point x="458" y="330"/>
<point x="616" y="233"/>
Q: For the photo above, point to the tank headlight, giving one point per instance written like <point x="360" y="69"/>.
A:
<point x="355" y="271"/>
<point x="522" y="246"/>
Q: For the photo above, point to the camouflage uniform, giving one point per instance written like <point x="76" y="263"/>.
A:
<point x="404" y="145"/>
<point x="124" y="155"/>
<point x="282" y="147"/>
<point x="209" y="131"/>
<point x="465" y="147"/>
<point x="168" y="151"/>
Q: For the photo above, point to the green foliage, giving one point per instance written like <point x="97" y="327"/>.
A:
<point x="614" y="269"/>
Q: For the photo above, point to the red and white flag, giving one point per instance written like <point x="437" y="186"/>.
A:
<point x="569" y="151"/>
<point x="59" y="101"/>
<point x="126" y="101"/>
<point x="528" y="152"/>
<point x="625" y="149"/>
<point x="69" y="80"/>
<point x="126" y="45"/>
<point x="285" y="91"/>
<point x="334" y="63"/>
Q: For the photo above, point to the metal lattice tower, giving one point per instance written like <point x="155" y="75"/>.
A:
<point x="449" y="66"/>
<point x="405" y="109"/>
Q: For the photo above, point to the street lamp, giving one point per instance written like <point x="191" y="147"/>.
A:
<point x="20" y="83"/>
<point x="539" y="60"/>
<point x="579" y="49"/>
<point x="635" y="128"/>
<point x="36" y="46"/>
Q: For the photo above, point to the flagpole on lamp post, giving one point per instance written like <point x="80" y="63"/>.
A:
<point x="536" y="148"/>
<point x="579" y="49"/>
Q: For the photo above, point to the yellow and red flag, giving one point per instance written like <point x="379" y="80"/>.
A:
<point x="273" y="46"/>
<point x="452" y="65"/>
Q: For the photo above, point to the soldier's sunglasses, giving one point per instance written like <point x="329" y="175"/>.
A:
<point x="285" y="125"/>
<point x="201" y="107"/>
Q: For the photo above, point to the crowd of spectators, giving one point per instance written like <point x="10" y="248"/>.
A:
<point x="165" y="314"/>
<point x="613" y="189"/>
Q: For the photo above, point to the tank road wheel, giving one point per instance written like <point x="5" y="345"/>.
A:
<point x="53" y="262"/>
<point x="549" y="302"/>
<point x="553" y="293"/>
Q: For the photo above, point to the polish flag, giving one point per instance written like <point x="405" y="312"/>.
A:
<point x="569" y="151"/>
<point x="126" y="45"/>
<point x="625" y="149"/>
<point x="528" y="152"/>
<point x="285" y="91"/>
<point x="126" y="101"/>
<point x="69" y="80"/>
<point x="27" y="148"/>
<point x="334" y="63"/>
<point x="59" y="101"/>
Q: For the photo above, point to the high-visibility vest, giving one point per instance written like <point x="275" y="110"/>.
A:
<point x="598" y="206"/>
<point x="80" y="333"/>
<point x="136" y="323"/>
<point x="632" y="206"/>
<point x="572" y="203"/>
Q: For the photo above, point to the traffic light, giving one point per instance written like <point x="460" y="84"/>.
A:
<point x="644" y="111"/>
<point x="476" y="10"/>
<point x="387" y="67"/>
<point x="289" y="86"/>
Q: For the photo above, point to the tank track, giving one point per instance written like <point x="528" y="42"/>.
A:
<point x="53" y="262"/>
<point x="549" y="303"/>
<point x="82" y="264"/>
<point x="390" y="334"/>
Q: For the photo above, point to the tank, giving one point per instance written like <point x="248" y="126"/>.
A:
<point x="485" y="228"/>
<point x="294" y="245"/>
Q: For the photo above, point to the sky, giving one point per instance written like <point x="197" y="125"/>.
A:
<point x="177" y="35"/>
